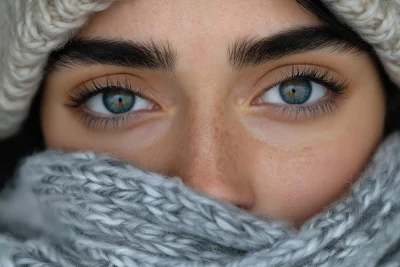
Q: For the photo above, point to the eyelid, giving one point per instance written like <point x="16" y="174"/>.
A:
<point x="83" y="92"/>
<point x="94" y="121"/>
<point x="285" y="73"/>
<point x="316" y="94"/>
<point x="97" y="106"/>
<point x="336" y="84"/>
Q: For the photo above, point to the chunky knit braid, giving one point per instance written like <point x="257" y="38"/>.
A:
<point x="34" y="28"/>
<point x="378" y="23"/>
<point x="113" y="214"/>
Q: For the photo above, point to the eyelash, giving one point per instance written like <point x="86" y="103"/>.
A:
<point x="85" y="92"/>
<point x="316" y="74"/>
<point x="335" y="85"/>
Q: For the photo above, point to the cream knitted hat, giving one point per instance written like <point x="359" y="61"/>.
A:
<point x="31" y="29"/>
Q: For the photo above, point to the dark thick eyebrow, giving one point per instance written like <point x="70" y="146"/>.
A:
<point x="256" y="51"/>
<point x="243" y="53"/>
<point x="140" y="55"/>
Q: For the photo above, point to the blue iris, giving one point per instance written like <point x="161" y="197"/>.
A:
<point x="295" y="92"/>
<point x="118" y="101"/>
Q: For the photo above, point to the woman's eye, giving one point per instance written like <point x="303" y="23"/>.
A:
<point x="295" y="92"/>
<point x="117" y="101"/>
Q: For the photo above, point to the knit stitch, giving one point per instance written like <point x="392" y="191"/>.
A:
<point x="30" y="31"/>
<point x="378" y="23"/>
<point x="94" y="210"/>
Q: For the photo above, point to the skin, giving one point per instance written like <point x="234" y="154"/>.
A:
<point x="206" y="128"/>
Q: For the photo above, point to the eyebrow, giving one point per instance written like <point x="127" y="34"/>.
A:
<point x="243" y="53"/>
<point x="140" y="55"/>
<point x="255" y="51"/>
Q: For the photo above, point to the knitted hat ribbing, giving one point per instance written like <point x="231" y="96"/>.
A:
<point x="31" y="29"/>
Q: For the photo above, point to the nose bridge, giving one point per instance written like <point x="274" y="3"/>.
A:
<point x="206" y="162"/>
<point x="204" y="148"/>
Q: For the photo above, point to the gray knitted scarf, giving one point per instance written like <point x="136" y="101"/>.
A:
<point x="86" y="209"/>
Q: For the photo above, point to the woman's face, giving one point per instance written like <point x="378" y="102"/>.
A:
<point x="250" y="102"/>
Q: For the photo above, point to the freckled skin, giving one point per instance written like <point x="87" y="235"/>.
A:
<point x="206" y="131"/>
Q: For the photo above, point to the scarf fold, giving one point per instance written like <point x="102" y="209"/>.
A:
<point x="88" y="209"/>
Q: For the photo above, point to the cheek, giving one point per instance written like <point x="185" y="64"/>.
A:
<point x="295" y="185"/>
<point x="300" y="169"/>
<point x="62" y="129"/>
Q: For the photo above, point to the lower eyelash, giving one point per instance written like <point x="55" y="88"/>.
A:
<point x="99" y="123"/>
<point x="328" y="107"/>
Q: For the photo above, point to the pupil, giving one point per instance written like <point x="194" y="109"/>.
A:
<point x="295" y="92"/>
<point x="118" y="101"/>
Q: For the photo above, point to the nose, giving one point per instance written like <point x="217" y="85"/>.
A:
<point x="209" y="160"/>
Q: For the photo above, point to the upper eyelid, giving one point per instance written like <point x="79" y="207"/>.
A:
<point x="84" y="92"/>
<point x="123" y="81"/>
<point x="291" y="111"/>
<point x="299" y="70"/>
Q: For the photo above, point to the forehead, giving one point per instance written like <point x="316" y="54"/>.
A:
<point x="197" y="22"/>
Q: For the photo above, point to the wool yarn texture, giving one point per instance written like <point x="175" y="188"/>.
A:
<point x="31" y="29"/>
<point x="87" y="209"/>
